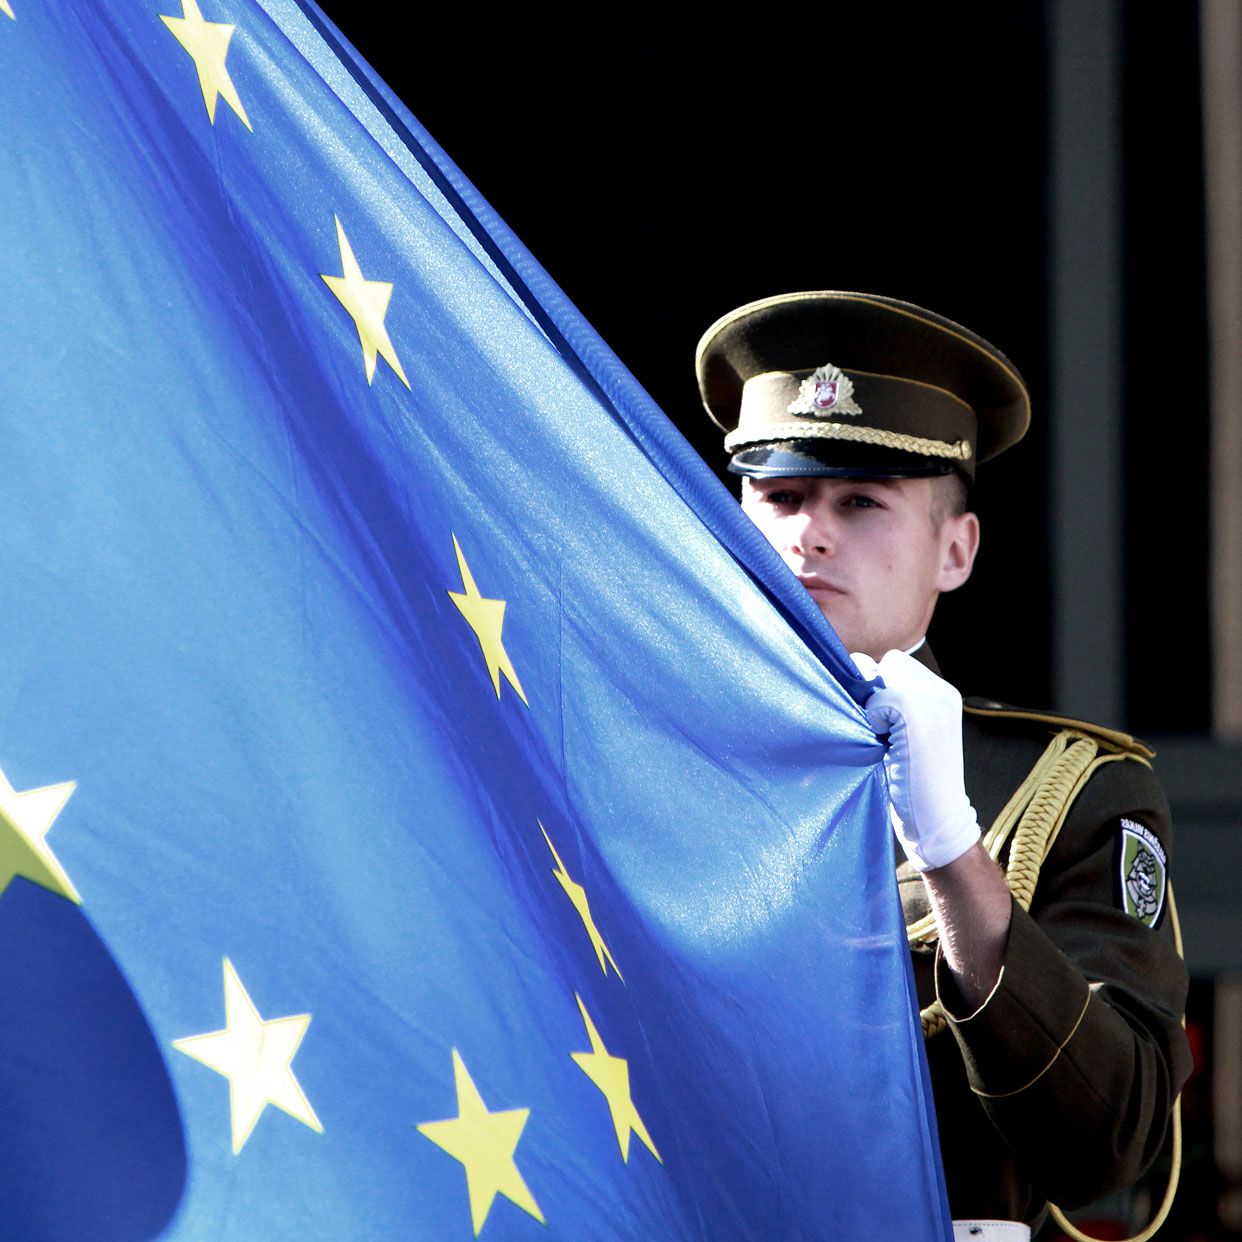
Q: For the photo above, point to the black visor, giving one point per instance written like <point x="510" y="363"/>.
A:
<point x="833" y="459"/>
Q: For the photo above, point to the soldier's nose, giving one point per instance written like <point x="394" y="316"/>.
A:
<point x="816" y="537"/>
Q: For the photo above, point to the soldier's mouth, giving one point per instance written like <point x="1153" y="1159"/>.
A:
<point x="817" y="586"/>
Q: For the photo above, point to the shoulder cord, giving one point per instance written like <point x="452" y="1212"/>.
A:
<point x="1034" y="817"/>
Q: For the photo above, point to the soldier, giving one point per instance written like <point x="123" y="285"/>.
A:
<point x="1035" y="872"/>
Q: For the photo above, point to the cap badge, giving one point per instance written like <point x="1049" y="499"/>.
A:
<point x="825" y="393"/>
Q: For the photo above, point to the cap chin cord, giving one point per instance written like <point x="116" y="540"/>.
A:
<point x="957" y="450"/>
<point x="1033" y="817"/>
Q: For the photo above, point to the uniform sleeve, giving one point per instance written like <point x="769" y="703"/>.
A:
<point x="1079" y="1052"/>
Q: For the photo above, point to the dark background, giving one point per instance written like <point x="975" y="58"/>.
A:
<point x="665" y="173"/>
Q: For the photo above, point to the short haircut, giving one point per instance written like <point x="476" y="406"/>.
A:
<point x="948" y="498"/>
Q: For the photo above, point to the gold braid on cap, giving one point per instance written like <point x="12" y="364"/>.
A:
<point x="958" y="450"/>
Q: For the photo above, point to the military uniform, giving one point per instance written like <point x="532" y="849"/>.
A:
<point x="1059" y="1087"/>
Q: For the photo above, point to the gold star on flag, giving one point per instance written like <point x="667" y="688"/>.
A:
<point x="367" y="304"/>
<point x="4" y="8"/>
<point x="24" y="822"/>
<point x="612" y="1076"/>
<point x="577" y="894"/>
<point x="208" y="45"/>
<point x="484" y="1143"/>
<point x="256" y="1056"/>
<point x="485" y="617"/>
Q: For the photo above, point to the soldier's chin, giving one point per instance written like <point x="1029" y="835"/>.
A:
<point x="850" y="638"/>
<point x="840" y="628"/>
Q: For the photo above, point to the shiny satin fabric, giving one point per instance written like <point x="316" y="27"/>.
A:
<point x="252" y="611"/>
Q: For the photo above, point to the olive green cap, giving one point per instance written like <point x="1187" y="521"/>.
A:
<point x="854" y="384"/>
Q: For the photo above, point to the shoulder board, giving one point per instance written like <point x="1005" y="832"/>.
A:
<point x="1114" y="738"/>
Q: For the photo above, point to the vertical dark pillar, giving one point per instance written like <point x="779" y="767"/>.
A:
<point x="1221" y="52"/>
<point x="1086" y="354"/>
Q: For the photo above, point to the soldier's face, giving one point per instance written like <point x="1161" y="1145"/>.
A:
<point x="869" y="551"/>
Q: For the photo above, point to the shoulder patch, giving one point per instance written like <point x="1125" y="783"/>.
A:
<point x="1113" y="739"/>
<point x="1142" y="871"/>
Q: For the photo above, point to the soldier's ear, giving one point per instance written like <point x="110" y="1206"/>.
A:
<point x="959" y="544"/>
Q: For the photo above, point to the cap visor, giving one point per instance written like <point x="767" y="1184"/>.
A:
<point x="833" y="460"/>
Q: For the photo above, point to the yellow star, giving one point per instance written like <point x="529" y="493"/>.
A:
<point x="257" y="1059"/>
<point x="367" y="304"/>
<point x="4" y="8"/>
<point x="485" y="617"/>
<point x="208" y="45"/>
<point x="484" y="1143"/>
<point x="612" y="1076"/>
<point x="24" y="821"/>
<point x="577" y="894"/>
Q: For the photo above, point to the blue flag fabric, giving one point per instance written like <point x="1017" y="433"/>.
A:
<point x="427" y="806"/>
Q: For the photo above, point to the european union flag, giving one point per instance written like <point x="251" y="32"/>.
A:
<point x="428" y="807"/>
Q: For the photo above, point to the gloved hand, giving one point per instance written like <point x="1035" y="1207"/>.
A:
<point x="922" y="715"/>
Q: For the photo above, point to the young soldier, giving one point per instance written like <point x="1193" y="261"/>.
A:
<point x="1052" y="994"/>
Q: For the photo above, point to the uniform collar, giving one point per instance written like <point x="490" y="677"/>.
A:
<point x="923" y="654"/>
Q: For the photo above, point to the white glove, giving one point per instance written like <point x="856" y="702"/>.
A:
<point x="922" y="715"/>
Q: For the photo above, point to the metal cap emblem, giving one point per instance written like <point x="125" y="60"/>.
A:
<point x="824" y="394"/>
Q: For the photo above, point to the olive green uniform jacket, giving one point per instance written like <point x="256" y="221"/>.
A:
<point x="1060" y="1087"/>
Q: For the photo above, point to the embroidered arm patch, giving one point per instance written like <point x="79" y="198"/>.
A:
<point x="1144" y="874"/>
